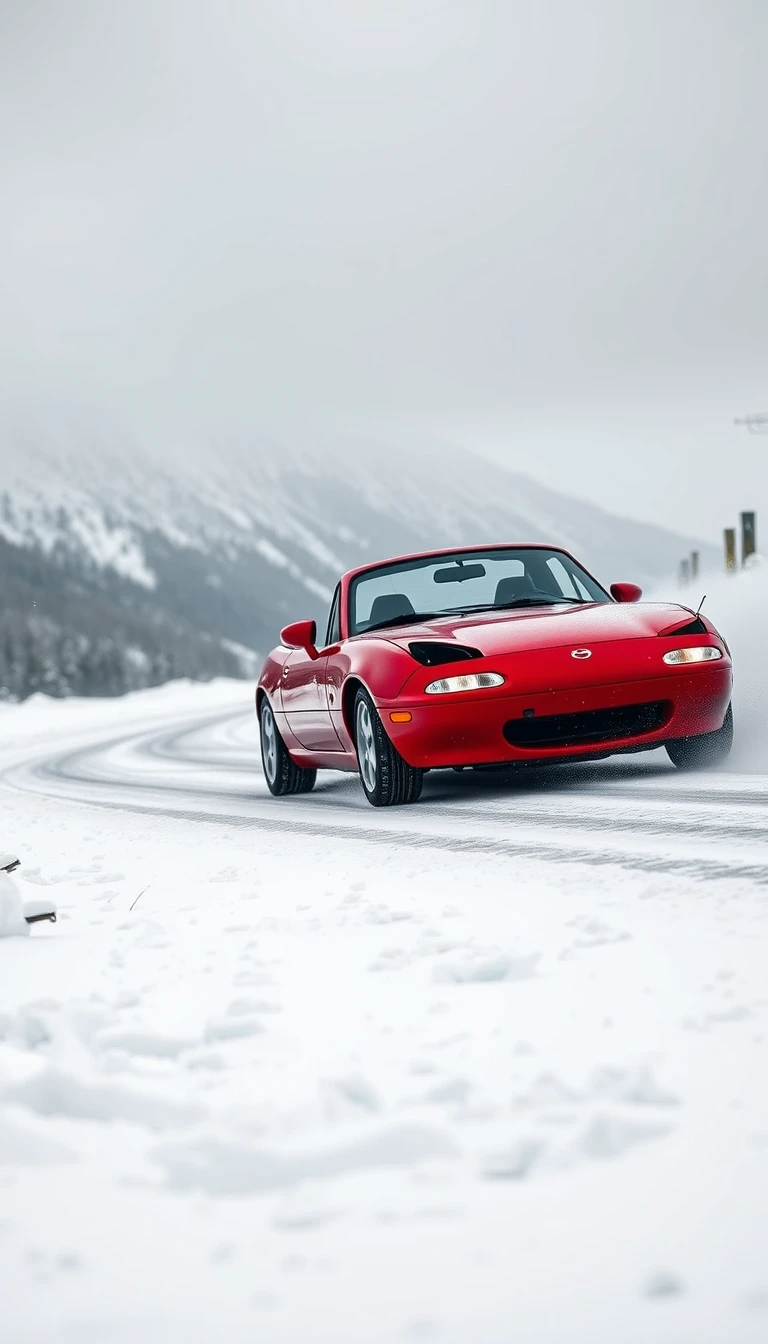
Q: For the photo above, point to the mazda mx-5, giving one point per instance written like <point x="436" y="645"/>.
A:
<point x="489" y="656"/>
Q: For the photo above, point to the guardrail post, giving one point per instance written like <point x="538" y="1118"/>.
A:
<point x="729" y="538"/>
<point x="748" y="537"/>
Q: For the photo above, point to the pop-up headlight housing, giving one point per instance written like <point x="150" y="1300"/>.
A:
<point x="434" y="652"/>
<point x="690" y="627"/>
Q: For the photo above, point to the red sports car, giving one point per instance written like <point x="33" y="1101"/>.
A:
<point x="488" y="656"/>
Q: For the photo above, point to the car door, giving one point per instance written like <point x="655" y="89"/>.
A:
<point x="305" y="695"/>
<point x="305" y="701"/>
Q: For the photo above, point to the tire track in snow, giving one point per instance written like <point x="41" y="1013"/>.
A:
<point x="534" y="848"/>
<point x="91" y="768"/>
<point x="662" y="784"/>
<point x="654" y="820"/>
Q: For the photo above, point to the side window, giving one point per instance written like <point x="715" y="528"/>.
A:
<point x="333" y="633"/>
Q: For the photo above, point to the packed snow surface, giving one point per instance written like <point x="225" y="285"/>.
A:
<point x="488" y="1068"/>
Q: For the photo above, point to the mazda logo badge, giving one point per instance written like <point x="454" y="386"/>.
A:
<point x="581" y="653"/>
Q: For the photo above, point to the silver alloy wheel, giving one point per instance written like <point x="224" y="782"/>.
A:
<point x="269" y="743"/>
<point x="366" y="746"/>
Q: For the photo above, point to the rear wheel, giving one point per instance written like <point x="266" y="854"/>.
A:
<point x="282" y="774"/>
<point x="386" y="778"/>
<point x="703" y="752"/>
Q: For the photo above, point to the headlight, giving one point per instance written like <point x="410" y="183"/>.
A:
<point x="471" y="681"/>
<point x="705" y="653"/>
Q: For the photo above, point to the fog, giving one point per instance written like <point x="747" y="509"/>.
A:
<point x="534" y="229"/>
<point x="737" y="606"/>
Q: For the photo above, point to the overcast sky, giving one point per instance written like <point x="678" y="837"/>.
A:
<point x="537" y="228"/>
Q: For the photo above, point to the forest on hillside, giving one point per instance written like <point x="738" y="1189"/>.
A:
<point x="59" y="639"/>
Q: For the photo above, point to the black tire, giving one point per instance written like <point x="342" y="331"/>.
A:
<point x="703" y="752"/>
<point x="387" y="779"/>
<point x="282" y="774"/>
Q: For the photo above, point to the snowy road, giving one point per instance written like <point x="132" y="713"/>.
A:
<point x="490" y="1068"/>
<point x="637" y="812"/>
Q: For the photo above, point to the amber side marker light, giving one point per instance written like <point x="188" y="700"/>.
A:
<point x="400" y="716"/>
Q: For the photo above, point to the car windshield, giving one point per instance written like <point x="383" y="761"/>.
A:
<point x="467" y="581"/>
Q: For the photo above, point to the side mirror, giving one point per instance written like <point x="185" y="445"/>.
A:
<point x="300" y="635"/>
<point x="626" y="592"/>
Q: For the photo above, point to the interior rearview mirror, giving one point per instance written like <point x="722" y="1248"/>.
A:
<point x="459" y="573"/>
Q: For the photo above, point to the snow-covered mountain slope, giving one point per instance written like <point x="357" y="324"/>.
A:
<point x="236" y="545"/>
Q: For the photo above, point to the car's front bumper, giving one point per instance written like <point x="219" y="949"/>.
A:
<point x="469" y="728"/>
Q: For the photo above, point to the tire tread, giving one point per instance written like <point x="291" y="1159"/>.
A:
<point x="291" y="778"/>
<point x="397" y="782"/>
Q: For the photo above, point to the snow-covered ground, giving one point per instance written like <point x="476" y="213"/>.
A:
<point x="491" y="1068"/>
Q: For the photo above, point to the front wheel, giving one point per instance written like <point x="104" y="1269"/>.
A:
<point x="386" y="778"/>
<point x="283" y="775"/>
<point x="703" y="752"/>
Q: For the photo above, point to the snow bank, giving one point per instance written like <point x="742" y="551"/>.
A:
<point x="44" y="718"/>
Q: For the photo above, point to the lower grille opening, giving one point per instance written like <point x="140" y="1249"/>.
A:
<point x="589" y="725"/>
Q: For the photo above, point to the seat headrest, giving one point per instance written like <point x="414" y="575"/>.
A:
<point x="508" y="590"/>
<point x="390" y="606"/>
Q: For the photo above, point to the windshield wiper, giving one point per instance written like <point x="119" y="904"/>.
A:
<point x="522" y="602"/>
<point x="411" y="619"/>
<point x="538" y="602"/>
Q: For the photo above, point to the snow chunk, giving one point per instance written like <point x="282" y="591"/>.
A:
<point x="149" y="1044"/>
<point x="637" y="1087"/>
<point x="220" y="1168"/>
<point x="611" y="1136"/>
<point x="231" y="1028"/>
<point x="483" y="967"/>
<point x="52" y="1091"/>
<point x="354" y="1090"/>
<point x="515" y="1162"/>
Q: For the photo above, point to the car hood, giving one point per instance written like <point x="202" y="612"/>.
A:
<point x="543" y="627"/>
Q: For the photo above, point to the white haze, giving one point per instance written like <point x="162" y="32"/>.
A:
<point x="737" y="604"/>
<point x="743" y="602"/>
<point x="537" y="229"/>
